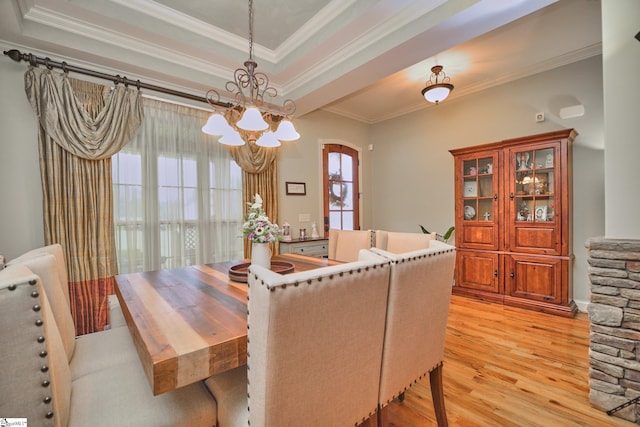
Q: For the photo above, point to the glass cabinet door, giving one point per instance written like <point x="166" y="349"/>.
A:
<point x="534" y="185"/>
<point x="478" y="189"/>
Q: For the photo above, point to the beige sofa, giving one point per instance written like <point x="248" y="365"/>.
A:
<point x="53" y="378"/>
<point x="296" y="378"/>
<point x="86" y="353"/>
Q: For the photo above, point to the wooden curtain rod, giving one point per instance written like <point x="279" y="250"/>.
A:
<point x="34" y="60"/>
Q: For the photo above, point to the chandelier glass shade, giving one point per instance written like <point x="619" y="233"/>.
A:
<point x="250" y="119"/>
<point x="438" y="86"/>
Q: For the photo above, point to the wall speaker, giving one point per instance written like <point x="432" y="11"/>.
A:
<point x="572" y="111"/>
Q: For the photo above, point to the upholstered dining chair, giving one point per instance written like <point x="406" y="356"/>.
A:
<point x="314" y="348"/>
<point x="345" y="245"/>
<point x="418" y="307"/>
<point x="399" y="242"/>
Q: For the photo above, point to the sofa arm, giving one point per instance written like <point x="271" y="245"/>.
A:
<point x="36" y="383"/>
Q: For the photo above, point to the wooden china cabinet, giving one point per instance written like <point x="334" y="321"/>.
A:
<point x="513" y="222"/>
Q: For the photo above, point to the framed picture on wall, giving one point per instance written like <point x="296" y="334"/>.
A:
<point x="296" y="188"/>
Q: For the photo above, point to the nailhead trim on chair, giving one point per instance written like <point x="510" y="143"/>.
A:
<point x="395" y="396"/>
<point x="417" y="257"/>
<point x="319" y="278"/>
<point x="46" y="383"/>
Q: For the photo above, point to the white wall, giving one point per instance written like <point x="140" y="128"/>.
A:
<point x="21" y="223"/>
<point x="413" y="169"/>
<point x="621" y="62"/>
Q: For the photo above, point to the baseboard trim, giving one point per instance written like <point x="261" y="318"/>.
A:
<point x="582" y="305"/>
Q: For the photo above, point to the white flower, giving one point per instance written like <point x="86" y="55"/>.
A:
<point x="257" y="226"/>
<point x="257" y="202"/>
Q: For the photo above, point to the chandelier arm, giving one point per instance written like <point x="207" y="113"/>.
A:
<point x="213" y="98"/>
<point x="289" y="107"/>
<point x="262" y="88"/>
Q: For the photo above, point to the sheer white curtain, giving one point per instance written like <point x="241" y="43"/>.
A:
<point x="177" y="193"/>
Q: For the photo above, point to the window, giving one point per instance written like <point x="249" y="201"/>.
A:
<point x="177" y="194"/>
<point x="341" y="190"/>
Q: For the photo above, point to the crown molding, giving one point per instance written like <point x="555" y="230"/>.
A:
<point x="194" y="25"/>
<point x="310" y="28"/>
<point x="50" y="18"/>
<point x="540" y="67"/>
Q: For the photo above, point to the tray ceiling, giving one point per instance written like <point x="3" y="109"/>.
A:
<point x="365" y="59"/>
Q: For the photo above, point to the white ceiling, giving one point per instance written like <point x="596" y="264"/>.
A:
<point x="365" y="59"/>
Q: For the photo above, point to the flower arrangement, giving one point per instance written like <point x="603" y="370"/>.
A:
<point x="257" y="227"/>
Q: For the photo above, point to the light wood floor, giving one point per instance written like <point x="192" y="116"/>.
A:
<point x="506" y="366"/>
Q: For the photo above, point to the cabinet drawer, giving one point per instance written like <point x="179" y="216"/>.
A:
<point x="319" y="249"/>
<point x="316" y="248"/>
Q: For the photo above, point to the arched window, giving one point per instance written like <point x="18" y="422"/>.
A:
<point x="341" y="190"/>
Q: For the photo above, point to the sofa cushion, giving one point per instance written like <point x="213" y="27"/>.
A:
<point x="102" y="350"/>
<point x="122" y="396"/>
<point x="116" y="318"/>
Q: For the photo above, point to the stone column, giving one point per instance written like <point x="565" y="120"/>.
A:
<point x="614" y="313"/>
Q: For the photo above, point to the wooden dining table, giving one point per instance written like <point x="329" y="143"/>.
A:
<point x="190" y="323"/>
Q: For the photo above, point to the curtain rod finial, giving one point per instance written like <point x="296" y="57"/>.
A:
<point x="14" y="54"/>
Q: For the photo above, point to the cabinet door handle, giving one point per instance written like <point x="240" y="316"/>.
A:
<point x="495" y="273"/>
<point x="512" y="274"/>
<point x="495" y="197"/>
<point x="511" y="196"/>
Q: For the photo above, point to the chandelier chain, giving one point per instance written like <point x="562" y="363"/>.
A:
<point x="251" y="30"/>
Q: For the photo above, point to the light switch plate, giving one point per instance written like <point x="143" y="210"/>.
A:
<point x="304" y="217"/>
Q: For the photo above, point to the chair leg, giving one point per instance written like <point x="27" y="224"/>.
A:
<point x="437" y="395"/>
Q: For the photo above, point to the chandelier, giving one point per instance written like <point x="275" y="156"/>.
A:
<point x="437" y="91"/>
<point x="251" y="119"/>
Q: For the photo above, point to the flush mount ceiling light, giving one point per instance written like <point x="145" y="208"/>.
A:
<point x="250" y="119"/>
<point x="438" y="86"/>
